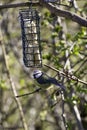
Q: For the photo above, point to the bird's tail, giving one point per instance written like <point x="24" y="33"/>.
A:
<point x="54" y="81"/>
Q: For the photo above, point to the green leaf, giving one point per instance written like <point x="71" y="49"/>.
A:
<point x="54" y="34"/>
<point x="3" y="84"/>
<point x="22" y="82"/>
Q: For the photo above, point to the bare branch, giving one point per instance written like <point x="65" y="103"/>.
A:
<point x="13" y="86"/>
<point x="18" y="5"/>
<point x="76" y="112"/>
<point x="63" y="111"/>
<point x="64" y="13"/>
<point x="67" y="75"/>
<point x="78" y="117"/>
<point x="54" y="9"/>
<point x="27" y="94"/>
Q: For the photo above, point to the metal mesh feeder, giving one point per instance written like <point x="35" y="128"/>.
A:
<point x="30" y="29"/>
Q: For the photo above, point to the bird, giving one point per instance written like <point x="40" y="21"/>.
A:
<point x="44" y="81"/>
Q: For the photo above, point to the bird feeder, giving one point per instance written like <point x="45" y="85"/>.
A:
<point x="30" y="28"/>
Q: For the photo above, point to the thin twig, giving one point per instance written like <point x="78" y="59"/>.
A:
<point x="67" y="75"/>
<point x="63" y="111"/>
<point x="13" y="87"/>
<point x="76" y="112"/>
<point x="78" y="117"/>
<point x="27" y="94"/>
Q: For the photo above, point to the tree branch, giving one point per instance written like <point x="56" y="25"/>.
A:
<point x="53" y="9"/>
<point x="76" y="112"/>
<point x="27" y="94"/>
<point x="67" y="75"/>
<point x="18" y="5"/>
<point x="64" y="13"/>
<point x="63" y="111"/>
<point x="13" y="86"/>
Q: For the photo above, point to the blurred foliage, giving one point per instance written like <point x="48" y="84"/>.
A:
<point x="58" y="36"/>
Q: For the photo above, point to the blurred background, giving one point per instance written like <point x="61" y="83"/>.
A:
<point x="64" y="47"/>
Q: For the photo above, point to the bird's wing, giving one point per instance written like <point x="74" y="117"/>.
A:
<point x="55" y="82"/>
<point x="43" y="79"/>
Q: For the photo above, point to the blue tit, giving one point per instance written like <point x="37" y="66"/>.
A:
<point x="44" y="81"/>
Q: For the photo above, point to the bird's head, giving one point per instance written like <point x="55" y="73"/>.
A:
<point x="37" y="74"/>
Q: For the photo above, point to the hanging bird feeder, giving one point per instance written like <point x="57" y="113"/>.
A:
<point x="30" y="28"/>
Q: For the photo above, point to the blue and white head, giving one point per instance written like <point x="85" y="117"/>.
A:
<point x="37" y="74"/>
